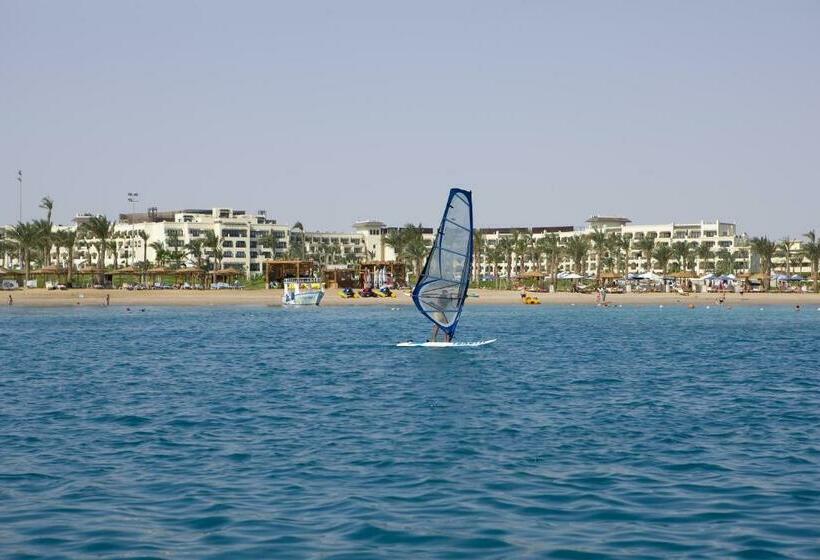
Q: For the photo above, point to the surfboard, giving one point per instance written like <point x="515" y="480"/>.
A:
<point x="445" y="344"/>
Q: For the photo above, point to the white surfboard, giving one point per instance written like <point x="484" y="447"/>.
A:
<point x="445" y="344"/>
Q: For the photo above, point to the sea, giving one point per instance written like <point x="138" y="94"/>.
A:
<point x="265" y="432"/>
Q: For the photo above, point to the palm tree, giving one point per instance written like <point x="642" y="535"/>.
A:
<point x="663" y="254"/>
<point x="723" y="261"/>
<point x="496" y="255"/>
<point x="43" y="228"/>
<point x="682" y="251"/>
<point x="112" y="246"/>
<point x="142" y="234"/>
<point x="551" y="247"/>
<point x="5" y="248"/>
<point x="396" y="239"/>
<point x="704" y="253"/>
<point x="522" y="244"/>
<point x="784" y="248"/>
<point x="160" y="252"/>
<point x="623" y="244"/>
<point x="535" y="253"/>
<point x="646" y="246"/>
<point x="506" y="247"/>
<point x="415" y="247"/>
<point x="577" y="248"/>
<point x="213" y="242"/>
<point x="599" y="241"/>
<point x="268" y="240"/>
<point x="99" y="228"/>
<point x="765" y="250"/>
<point x="811" y="250"/>
<point x="25" y="235"/>
<point x="48" y="205"/>
<point x="194" y="249"/>
<point x="299" y="249"/>
<point x="478" y="253"/>
<point x="68" y="239"/>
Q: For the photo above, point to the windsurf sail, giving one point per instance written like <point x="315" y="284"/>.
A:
<point x="442" y="285"/>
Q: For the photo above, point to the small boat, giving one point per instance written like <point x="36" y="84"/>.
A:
<point x="442" y="285"/>
<point x="303" y="291"/>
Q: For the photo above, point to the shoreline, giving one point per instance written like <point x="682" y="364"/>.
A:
<point x="181" y="298"/>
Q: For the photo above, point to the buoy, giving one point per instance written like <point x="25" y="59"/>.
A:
<point x="661" y="306"/>
<point x="707" y="307"/>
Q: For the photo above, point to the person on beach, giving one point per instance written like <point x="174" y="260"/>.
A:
<point x="11" y="300"/>
<point x="107" y="300"/>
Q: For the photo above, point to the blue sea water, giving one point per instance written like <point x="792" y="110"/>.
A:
<point x="584" y="432"/>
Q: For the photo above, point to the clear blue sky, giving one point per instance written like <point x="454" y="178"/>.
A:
<point x="331" y="111"/>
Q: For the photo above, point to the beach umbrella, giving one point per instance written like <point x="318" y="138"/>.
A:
<point x="796" y="278"/>
<point x="782" y="278"/>
<point x="730" y="277"/>
<point x="572" y="276"/>
<point x="709" y="276"/>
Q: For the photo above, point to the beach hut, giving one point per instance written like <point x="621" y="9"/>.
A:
<point x="227" y="275"/>
<point x="277" y="270"/>
<point x="51" y="276"/>
<point x="340" y="278"/>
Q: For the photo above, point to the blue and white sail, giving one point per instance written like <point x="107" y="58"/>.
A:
<point x="442" y="285"/>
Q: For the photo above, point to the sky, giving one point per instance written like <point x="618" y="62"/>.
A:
<point x="330" y="112"/>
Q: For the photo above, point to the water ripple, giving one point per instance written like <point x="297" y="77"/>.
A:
<point x="248" y="433"/>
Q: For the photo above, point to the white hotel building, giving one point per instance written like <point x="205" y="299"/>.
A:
<point x="241" y="231"/>
<point x="716" y="235"/>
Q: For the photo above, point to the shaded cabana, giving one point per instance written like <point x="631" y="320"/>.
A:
<point x="341" y="278"/>
<point x="50" y="272"/>
<point x="225" y="274"/>
<point x="277" y="270"/>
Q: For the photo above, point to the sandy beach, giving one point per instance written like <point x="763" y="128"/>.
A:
<point x="44" y="298"/>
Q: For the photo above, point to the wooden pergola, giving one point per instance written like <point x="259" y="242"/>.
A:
<point x="277" y="270"/>
<point x="341" y="278"/>
<point x="225" y="274"/>
<point x="369" y="268"/>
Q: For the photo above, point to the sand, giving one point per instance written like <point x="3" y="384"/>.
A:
<point x="44" y="298"/>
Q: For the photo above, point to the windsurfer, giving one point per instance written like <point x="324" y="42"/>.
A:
<point x="440" y="318"/>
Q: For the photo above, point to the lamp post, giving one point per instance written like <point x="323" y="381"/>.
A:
<point x="133" y="198"/>
<point x="20" y="195"/>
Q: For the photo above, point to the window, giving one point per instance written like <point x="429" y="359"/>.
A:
<point x="241" y="244"/>
<point x="227" y="243"/>
<point x="228" y="254"/>
<point x="254" y="254"/>
<point x="240" y="254"/>
<point x="253" y="244"/>
<point x="254" y="267"/>
<point x="281" y="245"/>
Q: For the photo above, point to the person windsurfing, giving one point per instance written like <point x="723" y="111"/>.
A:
<point x="439" y="317"/>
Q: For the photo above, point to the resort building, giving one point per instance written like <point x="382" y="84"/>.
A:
<point x="721" y="237"/>
<point x="246" y="240"/>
